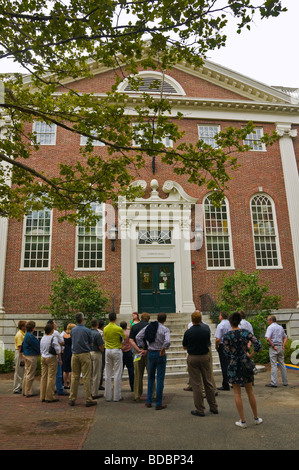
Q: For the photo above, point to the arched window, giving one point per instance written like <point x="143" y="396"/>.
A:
<point x="153" y="83"/>
<point x="265" y="233"/>
<point x="218" y="235"/>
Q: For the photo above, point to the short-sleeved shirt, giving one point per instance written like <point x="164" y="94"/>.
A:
<point x="19" y="338"/>
<point x="222" y="328"/>
<point x="112" y="336"/>
<point x="197" y="339"/>
<point x="276" y="334"/>
<point x="81" y="339"/>
<point x="96" y="340"/>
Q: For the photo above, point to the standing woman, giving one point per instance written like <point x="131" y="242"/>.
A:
<point x="31" y="351"/>
<point x="49" y="364"/>
<point x="67" y="356"/>
<point x="235" y="344"/>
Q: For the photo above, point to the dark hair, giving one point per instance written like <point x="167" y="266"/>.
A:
<point x="48" y="328"/>
<point x="112" y="316"/>
<point x="79" y="317"/>
<point x="30" y="326"/>
<point x="94" y="322"/>
<point x="161" y="317"/>
<point x="235" y="319"/>
<point x="101" y="322"/>
<point x="224" y="315"/>
<point x="123" y="325"/>
<point x="21" y="323"/>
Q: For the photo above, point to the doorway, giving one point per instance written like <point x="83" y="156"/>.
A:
<point x="156" y="291"/>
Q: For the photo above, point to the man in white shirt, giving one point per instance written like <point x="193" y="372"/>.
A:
<point x="222" y="328"/>
<point x="244" y="324"/>
<point x="277" y="339"/>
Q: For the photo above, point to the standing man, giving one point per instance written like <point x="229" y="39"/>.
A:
<point x="197" y="340"/>
<point x="96" y="358"/>
<point x="81" y="361"/>
<point x="113" y="336"/>
<point x="222" y="328"/>
<point x="157" y="338"/>
<point x="276" y="338"/>
<point x="19" y="360"/>
<point x="141" y="364"/>
<point x="59" y="375"/>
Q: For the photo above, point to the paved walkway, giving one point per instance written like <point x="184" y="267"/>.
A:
<point x="26" y="423"/>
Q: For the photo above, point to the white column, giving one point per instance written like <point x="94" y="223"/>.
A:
<point x="291" y="179"/>
<point x="3" y="246"/>
<point x="3" y="234"/>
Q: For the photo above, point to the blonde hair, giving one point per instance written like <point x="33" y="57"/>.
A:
<point x="70" y="327"/>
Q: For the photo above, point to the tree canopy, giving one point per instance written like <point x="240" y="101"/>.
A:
<point x="56" y="42"/>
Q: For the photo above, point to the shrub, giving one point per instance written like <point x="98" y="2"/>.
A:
<point x="9" y="362"/>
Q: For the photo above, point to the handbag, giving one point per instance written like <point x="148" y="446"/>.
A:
<point x="51" y="348"/>
<point x="248" y="368"/>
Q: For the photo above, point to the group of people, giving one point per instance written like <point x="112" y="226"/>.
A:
<point x="142" y="346"/>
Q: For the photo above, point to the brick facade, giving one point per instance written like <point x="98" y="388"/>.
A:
<point x="26" y="291"/>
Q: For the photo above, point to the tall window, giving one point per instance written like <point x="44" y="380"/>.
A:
<point x="264" y="232"/>
<point x="37" y="240"/>
<point x="207" y="134"/>
<point x="45" y="133"/>
<point x="90" y="242"/>
<point x="218" y="235"/>
<point x="254" y="139"/>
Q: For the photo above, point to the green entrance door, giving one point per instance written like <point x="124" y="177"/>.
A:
<point x="156" y="288"/>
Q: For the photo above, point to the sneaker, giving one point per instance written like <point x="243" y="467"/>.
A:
<point x="258" y="420"/>
<point x="241" y="424"/>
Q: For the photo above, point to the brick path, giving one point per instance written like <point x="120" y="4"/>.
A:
<point x="28" y="424"/>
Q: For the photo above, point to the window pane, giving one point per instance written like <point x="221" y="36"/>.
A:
<point x="264" y="232"/>
<point x="217" y="235"/>
<point x="90" y="242"/>
<point x="37" y="239"/>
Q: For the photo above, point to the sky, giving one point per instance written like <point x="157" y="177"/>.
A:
<point x="267" y="53"/>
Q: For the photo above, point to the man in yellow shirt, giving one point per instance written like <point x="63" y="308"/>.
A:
<point x="19" y="361"/>
<point x="113" y="336"/>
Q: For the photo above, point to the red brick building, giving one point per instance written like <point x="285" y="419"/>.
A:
<point x="172" y="244"/>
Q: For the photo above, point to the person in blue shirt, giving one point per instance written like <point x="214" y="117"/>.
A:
<point x="31" y="351"/>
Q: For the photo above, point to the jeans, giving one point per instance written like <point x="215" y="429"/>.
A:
<point x="155" y="362"/>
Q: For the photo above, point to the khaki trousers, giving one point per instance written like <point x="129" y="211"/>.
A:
<point x="19" y="373"/>
<point x="199" y="366"/>
<point x="139" y="367"/>
<point x="96" y="371"/>
<point x="29" y="374"/>
<point x="81" y="363"/>
<point x="48" y="378"/>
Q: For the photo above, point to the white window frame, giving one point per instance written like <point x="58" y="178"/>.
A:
<point x="228" y="236"/>
<point x="254" y="140"/>
<point x="101" y="234"/>
<point x="209" y="140"/>
<point x="166" y="141"/>
<point x="260" y="235"/>
<point x="48" y="129"/>
<point x="24" y="238"/>
<point x="95" y="142"/>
